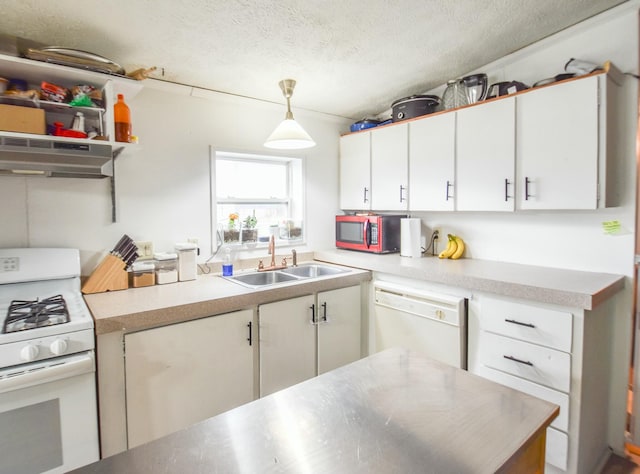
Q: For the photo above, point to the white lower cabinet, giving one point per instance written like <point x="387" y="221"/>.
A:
<point x="306" y="336"/>
<point x="184" y="373"/>
<point x="287" y="343"/>
<point x="557" y="354"/>
<point x="339" y="328"/>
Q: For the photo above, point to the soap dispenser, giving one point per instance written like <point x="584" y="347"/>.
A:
<point x="227" y="263"/>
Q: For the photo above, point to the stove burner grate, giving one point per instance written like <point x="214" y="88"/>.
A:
<point x="23" y="315"/>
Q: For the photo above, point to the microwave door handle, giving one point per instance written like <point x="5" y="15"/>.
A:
<point x="367" y="233"/>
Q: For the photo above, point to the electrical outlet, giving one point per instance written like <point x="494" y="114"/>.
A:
<point x="436" y="238"/>
<point x="145" y="249"/>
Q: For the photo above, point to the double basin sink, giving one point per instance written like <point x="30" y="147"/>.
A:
<point x="257" y="279"/>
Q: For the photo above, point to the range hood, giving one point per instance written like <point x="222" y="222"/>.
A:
<point x="53" y="157"/>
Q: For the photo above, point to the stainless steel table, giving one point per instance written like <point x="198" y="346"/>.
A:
<point x="392" y="412"/>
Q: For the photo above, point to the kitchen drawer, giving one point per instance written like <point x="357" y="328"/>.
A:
<point x="538" y="364"/>
<point x="543" y="326"/>
<point x="553" y="396"/>
<point x="557" y="448"/>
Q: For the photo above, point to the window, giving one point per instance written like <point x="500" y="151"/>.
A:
<point x="257" y="196"/>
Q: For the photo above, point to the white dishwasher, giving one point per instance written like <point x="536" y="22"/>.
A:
<point x="432" y="323"/>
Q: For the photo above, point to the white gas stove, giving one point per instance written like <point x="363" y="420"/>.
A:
<point x="47" y="363"/>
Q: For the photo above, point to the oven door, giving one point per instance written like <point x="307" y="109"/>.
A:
<point x="48" y="415"/>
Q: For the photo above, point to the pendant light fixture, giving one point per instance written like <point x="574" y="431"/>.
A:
<point x="289" y="135"/>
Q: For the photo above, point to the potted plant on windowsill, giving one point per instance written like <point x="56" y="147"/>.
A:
<point x="249" y="231"/>
<point x="232" y="232"/>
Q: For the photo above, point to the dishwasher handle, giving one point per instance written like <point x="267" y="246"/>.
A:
<point x="445" y="310"/>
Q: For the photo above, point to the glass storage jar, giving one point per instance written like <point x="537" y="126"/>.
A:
<point x="166" y="267"/>
<point x="142" y="274"/>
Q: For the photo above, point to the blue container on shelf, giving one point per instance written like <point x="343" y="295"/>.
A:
<point x="367" y="123"/>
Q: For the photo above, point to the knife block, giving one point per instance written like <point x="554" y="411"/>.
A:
<point x="109" y="275"/>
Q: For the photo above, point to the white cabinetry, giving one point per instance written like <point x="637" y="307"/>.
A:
<point x="558" y="146"/>
<point x="303" y="337"/>
<point x="554" y="353"/>
<point x="339" y="327"/>
<point x="180" y="374"/>
<point x="553" y="147"/>
<point x="485" y="144"/>
<point x="389" y="168"/>
<point x="287" y="343"/>
<point x="355" y="171"/>
<point x="432" y="163"/>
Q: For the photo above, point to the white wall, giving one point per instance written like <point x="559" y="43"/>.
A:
<point x="162" y="187"/>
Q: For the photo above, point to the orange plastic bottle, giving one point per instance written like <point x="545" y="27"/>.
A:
<point x="122" y="119"/>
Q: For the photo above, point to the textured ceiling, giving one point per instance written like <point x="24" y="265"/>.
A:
<point x="350" y="58"/>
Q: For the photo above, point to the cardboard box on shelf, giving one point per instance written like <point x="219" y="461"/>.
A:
<point x="14" y="118"/>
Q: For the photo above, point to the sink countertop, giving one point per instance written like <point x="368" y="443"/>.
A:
<point x="207" y="295"/>
<point x="394" y="411"/>
<point x="584" y="290"/>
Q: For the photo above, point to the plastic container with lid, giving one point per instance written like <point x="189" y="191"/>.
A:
<point x="166" y="267"/>
<point x="142" y="274"/>
<point x="187" y="266"/>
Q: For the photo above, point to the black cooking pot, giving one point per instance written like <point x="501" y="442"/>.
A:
<point x="414" y="106"/>
<point x="505" y="88"/>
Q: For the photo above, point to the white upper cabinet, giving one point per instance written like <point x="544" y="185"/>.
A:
<point x="553" y="147"/>
<point x="432" y="163"/>
<point x="355" y="171"/>
<point x="389" y="168"/>
<point x="557" y="146"/>
<point x="485" y="147"/>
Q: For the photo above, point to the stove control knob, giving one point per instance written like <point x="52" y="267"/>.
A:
<point x="29" y="353"/>
<point x="59" y="346"/>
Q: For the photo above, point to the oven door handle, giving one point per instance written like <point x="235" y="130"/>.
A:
<point x="72" y="366"/>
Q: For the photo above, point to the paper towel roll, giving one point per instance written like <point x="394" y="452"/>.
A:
<point x="410" y="237"/>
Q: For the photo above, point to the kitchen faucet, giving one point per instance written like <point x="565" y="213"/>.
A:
<point x="272" y="252"/>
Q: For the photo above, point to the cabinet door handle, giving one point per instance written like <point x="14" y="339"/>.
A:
<point x="402" y="198"/>
<point x="506" y="189"/>
<point x="313" y="313"/>
<point x="526" y="188"/>
<point x="250" y="338"/>
<point x="365" y="195"/>
<point x="447" y="196"/>
<point x="324" y="311"/>
<point x="513" y="321"/>
<point x="519" y="361"/>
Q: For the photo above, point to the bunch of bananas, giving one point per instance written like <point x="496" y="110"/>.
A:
<point x="455" y="248"/>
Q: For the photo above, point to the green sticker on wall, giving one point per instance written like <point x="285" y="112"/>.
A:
<point x="611" y="227"/>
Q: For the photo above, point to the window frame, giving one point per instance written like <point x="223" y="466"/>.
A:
<point x="290" y="200"/>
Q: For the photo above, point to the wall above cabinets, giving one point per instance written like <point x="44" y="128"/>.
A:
<point x="543" y="148"/>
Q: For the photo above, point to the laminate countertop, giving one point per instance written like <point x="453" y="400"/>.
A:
<point x="394" y="411"/>
<point x="572" y="288"/>
<point x="207" y="295"/>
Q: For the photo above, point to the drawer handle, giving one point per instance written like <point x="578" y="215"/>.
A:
<point x="513" y="321"/>
<point x="525" y="362"/>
